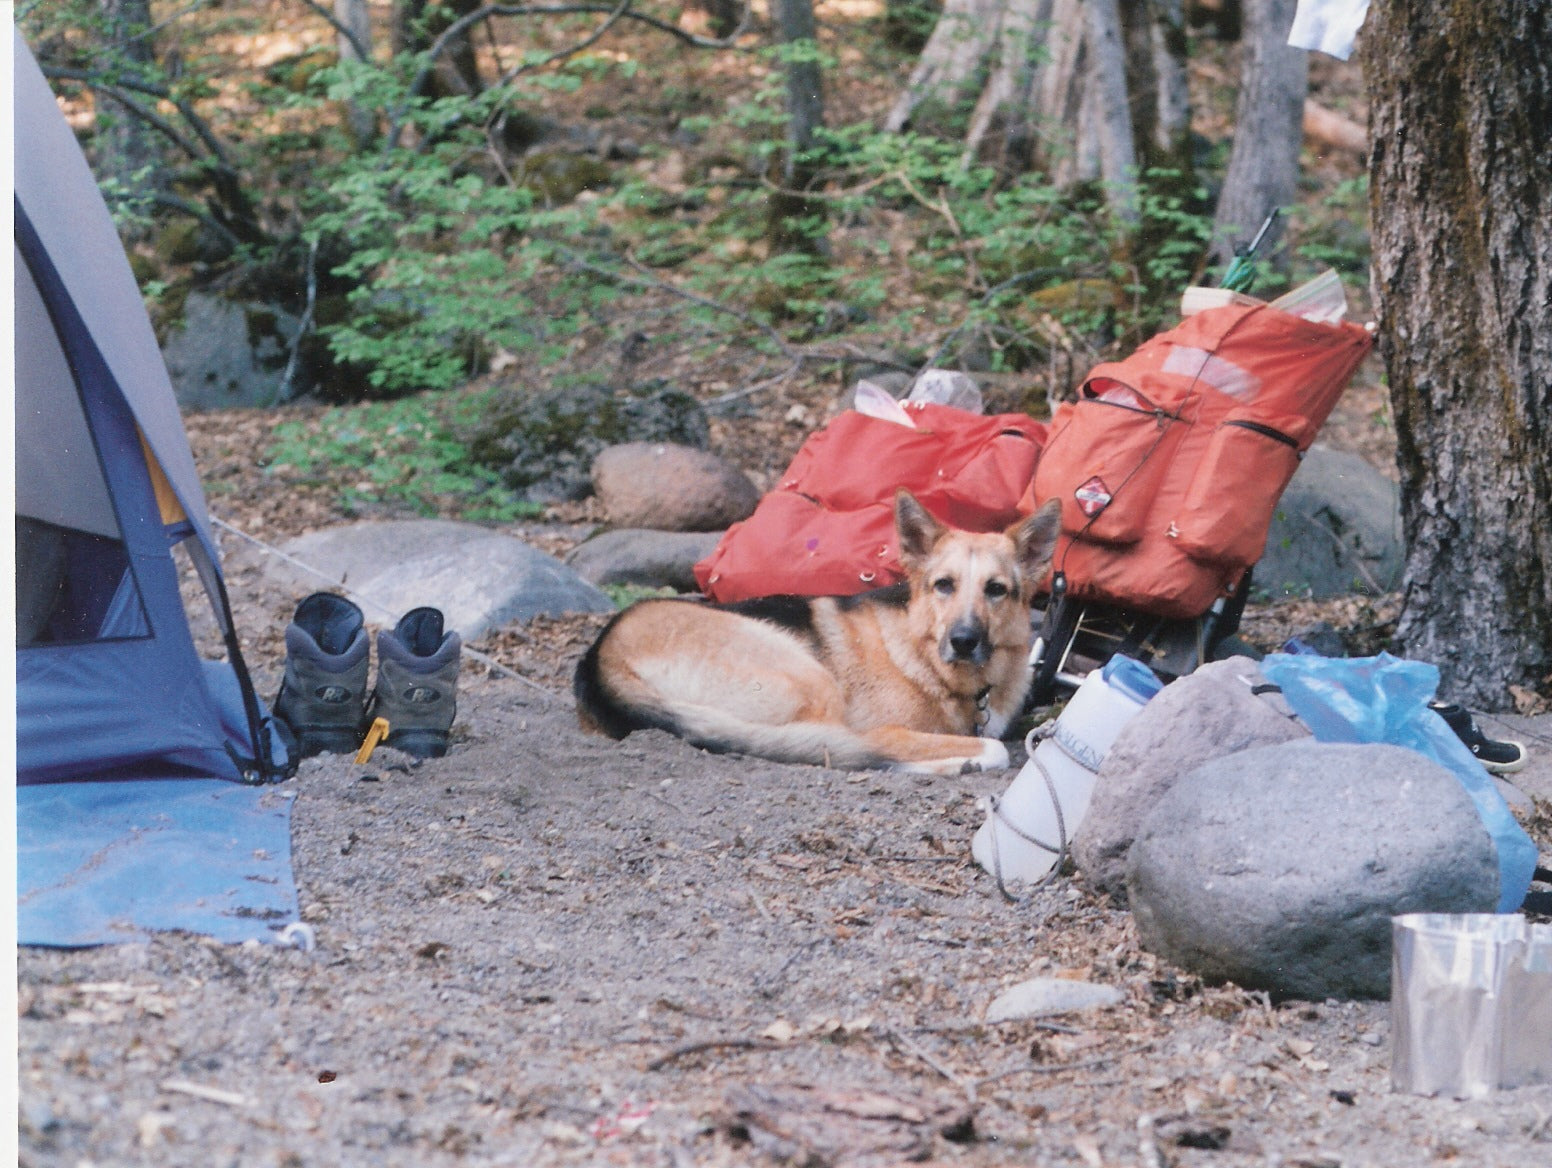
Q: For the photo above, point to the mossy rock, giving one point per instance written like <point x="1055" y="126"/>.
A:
<point x="543" y="443"/>
<point x="179" y="242"/>
<point x="558" y="177"/>
<point x="144" y="267"/>
<point x="295" y="73"/>
<point x="1078" y="296"/>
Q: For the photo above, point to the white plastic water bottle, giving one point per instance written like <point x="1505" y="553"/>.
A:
<point x="1030" y="827"/>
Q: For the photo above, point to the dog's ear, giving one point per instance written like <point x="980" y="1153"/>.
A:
<point x="1035" y="539"/>
<point x="918" y="530"/>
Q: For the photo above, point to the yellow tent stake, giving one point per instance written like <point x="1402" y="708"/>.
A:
<point x="375" y="733"/>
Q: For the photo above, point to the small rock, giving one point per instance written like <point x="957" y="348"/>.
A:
<point x="1043" y="996"/>
<point x="649" y="559"/>
<point x="669" y="487"/>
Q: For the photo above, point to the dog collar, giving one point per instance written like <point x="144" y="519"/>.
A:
<point x="983" y="708"/>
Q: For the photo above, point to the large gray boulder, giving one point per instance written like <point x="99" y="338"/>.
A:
<point x="228" y="353"/>
<point x="1202" y="716"/>
<point x="1336" y="530"/>
<point x="480" y="579"/>
<point x="648" y="559"/>
<point x="1279" y="868"/>
<point x="668" y="487"/>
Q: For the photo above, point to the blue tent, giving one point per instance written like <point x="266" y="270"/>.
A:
<point x="110" y="686"/>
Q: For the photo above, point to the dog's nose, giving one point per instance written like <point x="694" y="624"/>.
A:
<point x="966" y="642"/>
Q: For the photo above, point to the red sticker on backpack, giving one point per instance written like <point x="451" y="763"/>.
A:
<point x="1093" y="496"/>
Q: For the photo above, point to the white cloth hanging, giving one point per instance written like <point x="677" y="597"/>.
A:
<point x="1327" y="25"/>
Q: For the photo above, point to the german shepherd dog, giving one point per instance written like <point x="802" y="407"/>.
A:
<point x="922" y="676"/>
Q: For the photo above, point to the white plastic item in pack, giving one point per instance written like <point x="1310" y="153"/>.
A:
<point x="1030" y="827"/>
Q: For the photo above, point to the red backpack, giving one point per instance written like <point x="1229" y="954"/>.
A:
<point x="828" y="529"/>
<point x="1171" y="462"/>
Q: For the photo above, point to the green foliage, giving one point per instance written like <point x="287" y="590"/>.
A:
<point x="625" y="595"/>
<point x="1339" y="236"/>
<point x="1174" y="228"/>
<point x="402" y="455"/>
<point x="442" y="251"/>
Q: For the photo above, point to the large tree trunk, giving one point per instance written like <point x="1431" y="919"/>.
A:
<point x="1461" y="209"/>
<point x="1112" y="111"/>
<point x="1263" y="167"/>
<point x="1156" y="64"/>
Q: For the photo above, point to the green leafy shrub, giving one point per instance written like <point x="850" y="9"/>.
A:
<point x="443" y="252"/>
<point x="400" y="455"/>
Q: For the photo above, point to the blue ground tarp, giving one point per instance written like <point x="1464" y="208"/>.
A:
<point x="103" y="862"/>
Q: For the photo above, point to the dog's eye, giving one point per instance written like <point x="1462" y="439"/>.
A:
<point x="943" y="586"/>
<point x="996" y="590"/>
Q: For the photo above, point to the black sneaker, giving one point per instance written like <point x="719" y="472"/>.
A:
<point x="417" y="683"/>
<point x="1501" y="758"/>
<point x="323" y="693"/>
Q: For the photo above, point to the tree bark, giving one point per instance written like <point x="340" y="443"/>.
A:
<point x="1156" y="64"/>
<point x="1113" y="113"/>
<point x="1263" y="169"/>
<point x="1461" y="209"/>
<point x="789" y="207"/>
<point x="949" y="71"/>
<point x="355" y="17"/>
<point x="127" y="151"/>
<point x="1086" y="89"/>
<point x="1006" y="103"/>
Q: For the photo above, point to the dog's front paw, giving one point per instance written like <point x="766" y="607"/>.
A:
<point x="993" y="757"/>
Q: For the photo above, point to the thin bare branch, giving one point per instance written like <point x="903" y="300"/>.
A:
<point x="153" y="119"/>
<point x="363" y="51"/>
<point x="197" y="124"/>
<point x="621" y="11"/>
<point x="613" y="17"/>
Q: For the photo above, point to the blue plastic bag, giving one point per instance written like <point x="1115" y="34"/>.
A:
<point x="1385" y="699"/>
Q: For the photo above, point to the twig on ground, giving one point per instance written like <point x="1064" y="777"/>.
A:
<point x="908" y="1045"/>
<point x="690" y="1048"/>
<point x="209" y="1094"/>
<point x="1062" y="1068"/>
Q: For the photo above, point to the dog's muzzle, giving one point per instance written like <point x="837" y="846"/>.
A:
<point x="966" y="642"/>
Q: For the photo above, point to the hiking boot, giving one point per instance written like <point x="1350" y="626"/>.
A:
<point x="417" y="683"/>
<point x="1501" y="758"/>
<point x="323" y="693"/>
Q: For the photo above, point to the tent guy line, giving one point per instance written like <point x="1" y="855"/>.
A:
<point x="368" y="602"/>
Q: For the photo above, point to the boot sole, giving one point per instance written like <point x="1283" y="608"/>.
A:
<point x="418" y="743"/>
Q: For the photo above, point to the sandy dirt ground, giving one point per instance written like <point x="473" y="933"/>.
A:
<point x="550" y="948"/>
